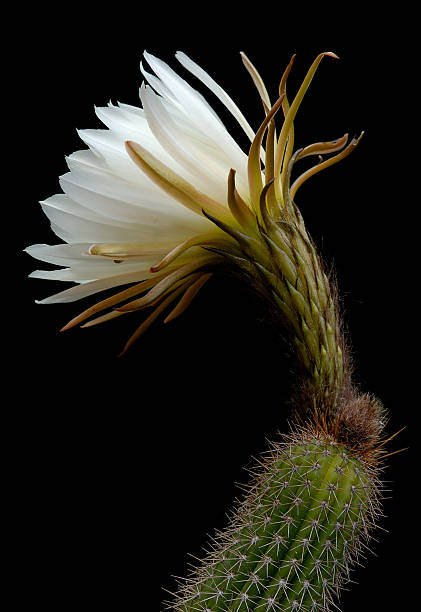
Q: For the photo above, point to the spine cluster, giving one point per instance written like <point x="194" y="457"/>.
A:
<point x="291" y="542"/>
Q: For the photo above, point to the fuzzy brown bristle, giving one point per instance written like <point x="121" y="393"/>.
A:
<point x="356" y="420"/>
<point x="359" y="424"/>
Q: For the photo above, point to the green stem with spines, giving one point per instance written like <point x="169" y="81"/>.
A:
<point x="293" y="537"/>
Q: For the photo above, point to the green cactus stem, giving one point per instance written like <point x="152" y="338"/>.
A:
<point x="289" y="545"/>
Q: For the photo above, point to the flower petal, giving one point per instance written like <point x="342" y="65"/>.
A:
<point x="220" y="93"/>
<point x="193" y="104"/>
<point x="173" y="184"/>
<point x="90" y="288"/>
<point x="207" y="171"/>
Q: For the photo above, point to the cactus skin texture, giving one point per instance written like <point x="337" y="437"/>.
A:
<point x="292" y="539"/>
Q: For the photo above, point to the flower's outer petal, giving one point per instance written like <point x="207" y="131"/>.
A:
<point x="80" y="254"/>
<point x="147" y="219"/>
<point x="220" y="93"/>
<point x="74" y="223"/>
<point x="158" y="86"/>
<point x="177" y="90"/>
<point x="86" y="289"/>
<point x="119" y="200"/>
<point x="89" y="272"/>
<point x="110" y="145"/>
<point x="200" y="113"/>
<point x="61" y="254"/>
<point x="131" y="127"/>
<point x="73" y="228"/>
<point x="137" y="202"/>
<point x="173" y="184"/>
<point x="129" y="110"/>
<point x="209" y="173"/>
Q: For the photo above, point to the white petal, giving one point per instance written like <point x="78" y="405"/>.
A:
<point x="90" y="288"/>
<point x="173" y="87"/>
<point x="109" y="144"/>
<point x="85" y="158"/>
<point x="60" y="254"/>
<point x="158" y="86"/>
<point x="131" y="110"/>
<point x="74" y="223"/>
<point x="208" y="174"/>
<point x="94" y="272"/>
<point x="194" y="106"/>
<point x="220" y="93"/>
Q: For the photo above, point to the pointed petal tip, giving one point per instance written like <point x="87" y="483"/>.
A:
<point x="72" y="323"/>
<point x="125" y="308"/>
<point x="123" y="352"/>
<point x="331" y="54"/>
<point x="355" y="140"/>
<point x="132" y="149"/>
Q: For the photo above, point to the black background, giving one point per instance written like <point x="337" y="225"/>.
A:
<point x="120" y="467"/>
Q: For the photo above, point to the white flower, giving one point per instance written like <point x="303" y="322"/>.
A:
<point x="162" y="195"/>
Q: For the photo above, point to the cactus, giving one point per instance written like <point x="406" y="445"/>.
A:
<point x="309" y="510"/>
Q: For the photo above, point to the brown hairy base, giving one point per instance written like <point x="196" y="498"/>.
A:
<point x="356" y="420"/>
